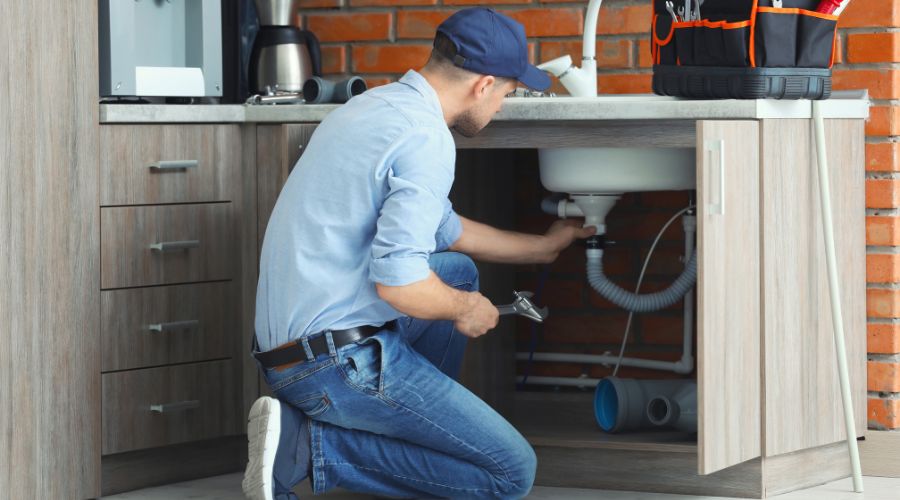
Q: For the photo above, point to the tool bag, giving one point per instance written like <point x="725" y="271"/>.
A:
<point x="744" y="49"/>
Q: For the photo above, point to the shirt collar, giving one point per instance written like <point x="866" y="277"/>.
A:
<point x="418" y="82"/>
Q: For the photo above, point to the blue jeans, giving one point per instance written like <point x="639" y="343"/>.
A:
<point x="388" y="417"/>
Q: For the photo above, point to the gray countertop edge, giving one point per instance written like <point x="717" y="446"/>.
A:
<point x="605" y="108"/>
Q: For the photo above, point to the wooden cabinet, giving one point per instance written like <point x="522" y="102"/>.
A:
<point x="171" y="232"/>
<point x="768" y="393"/>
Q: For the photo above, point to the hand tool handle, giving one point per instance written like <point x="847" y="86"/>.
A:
<point x="828" y="6"/>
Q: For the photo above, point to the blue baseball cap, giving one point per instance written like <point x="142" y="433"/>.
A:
<point x="490" y="43"/>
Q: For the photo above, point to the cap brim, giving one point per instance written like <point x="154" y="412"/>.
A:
<point x="535" y="79"/>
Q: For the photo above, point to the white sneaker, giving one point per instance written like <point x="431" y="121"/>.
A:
<point x="263" y="432"/>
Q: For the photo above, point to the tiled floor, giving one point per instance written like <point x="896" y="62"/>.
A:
<point x="228" y="487"/>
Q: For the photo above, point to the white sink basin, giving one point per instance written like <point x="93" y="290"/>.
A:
<point x="617" y="170"/>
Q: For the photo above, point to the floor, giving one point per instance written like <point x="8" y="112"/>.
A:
<point x="228" y="487"/>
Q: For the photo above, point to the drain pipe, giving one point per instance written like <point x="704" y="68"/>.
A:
<point x="559" y="205"/>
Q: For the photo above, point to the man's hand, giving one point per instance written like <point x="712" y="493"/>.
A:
<point x="560" y="235"/>
<point x="472" y="314"/>
<point x="478" y="316"/>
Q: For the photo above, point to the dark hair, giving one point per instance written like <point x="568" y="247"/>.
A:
<point x="443" y="54"/>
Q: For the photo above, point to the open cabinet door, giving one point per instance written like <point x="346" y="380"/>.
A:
<point x="728" y="293"/>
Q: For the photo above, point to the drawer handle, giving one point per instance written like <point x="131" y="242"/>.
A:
<point x="190" y="324"/>
<point x="171" y="246"/>
<point x="169" y="165"/>
<point x="173" y="407"/>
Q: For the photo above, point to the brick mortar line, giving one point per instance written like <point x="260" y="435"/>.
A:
<point x="882" y="250"/>
<point x="882" y="286"/>
<point x="871" y="30"/>
<point x="625" y="71"/>
<point x="882" y="139"/>
<point x="885" y="212"/>
<point x="883" y="395"/>
<point x="868" y="66"/>
<point x="884" y="358"/>
<point x="882" y="176"/>
<point x="578" y="38"/>
<point x="883" y="321"/>
<point x="367" y="9"/>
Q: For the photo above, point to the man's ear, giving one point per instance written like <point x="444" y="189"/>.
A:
<point x="483" y="85"/>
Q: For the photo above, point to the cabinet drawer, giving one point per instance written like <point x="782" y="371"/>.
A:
<point x="168" y="405"/>
<point x="163" y="325"/>
<point x="199" y="163"/>
<point x="159" y="245"/>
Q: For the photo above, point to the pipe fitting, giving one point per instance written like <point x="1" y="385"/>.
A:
<point x="623" y="404"/>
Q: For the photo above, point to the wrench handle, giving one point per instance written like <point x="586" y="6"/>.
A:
<point x="509" y="309"/>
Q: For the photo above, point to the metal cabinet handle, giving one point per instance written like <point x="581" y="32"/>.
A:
<point x="168" y="165"/>
<point x="717" y="147"/>
<point x="173" y="407"/>
<point x="190" y="324"/>
<point x="171" y="246"/>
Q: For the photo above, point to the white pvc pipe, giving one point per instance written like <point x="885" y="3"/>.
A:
<point x="566" y="381"/>
<point x="834" y="289"/>
<point x="605" y="359"/>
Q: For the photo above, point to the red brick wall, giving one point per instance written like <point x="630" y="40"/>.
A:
<point x="870" y="51"/>
<point x="381" y="39"/>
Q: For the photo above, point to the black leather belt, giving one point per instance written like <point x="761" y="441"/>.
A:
<point x="293" y="352"/>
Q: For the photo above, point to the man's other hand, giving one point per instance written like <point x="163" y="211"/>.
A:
<point x="560" y="235"/>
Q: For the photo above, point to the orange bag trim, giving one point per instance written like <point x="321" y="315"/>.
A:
<point x="802" y="12"/>
<point x="706" y="23"/>
<point x="668" y="38"/>
<point x="833" y="48"/>
<point x="753" y="33"/>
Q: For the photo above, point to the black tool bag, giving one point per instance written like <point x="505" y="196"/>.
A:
<point x="744" y="49"/>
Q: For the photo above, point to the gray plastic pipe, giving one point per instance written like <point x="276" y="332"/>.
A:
<point x="638" y="302"/>
<point x="678" y="409"/>
<point x="318" y="90"/>
<point x="622" y="404"/>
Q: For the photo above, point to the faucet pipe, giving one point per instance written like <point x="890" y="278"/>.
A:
<point x="580" y="82"/>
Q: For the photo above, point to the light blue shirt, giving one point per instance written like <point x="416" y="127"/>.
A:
<point x="366" y="203"/>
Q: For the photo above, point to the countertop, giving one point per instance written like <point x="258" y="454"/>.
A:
<point x="850" y="104"/>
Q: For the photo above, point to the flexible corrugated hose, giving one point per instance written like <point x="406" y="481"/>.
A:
<point x="639" y="302"/>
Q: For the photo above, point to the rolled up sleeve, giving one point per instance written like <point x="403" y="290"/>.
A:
<point x="449" y="230"/>
<point x="415" y="208"/>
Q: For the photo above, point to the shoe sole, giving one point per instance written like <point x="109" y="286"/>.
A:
<point x="263" y="432"/>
